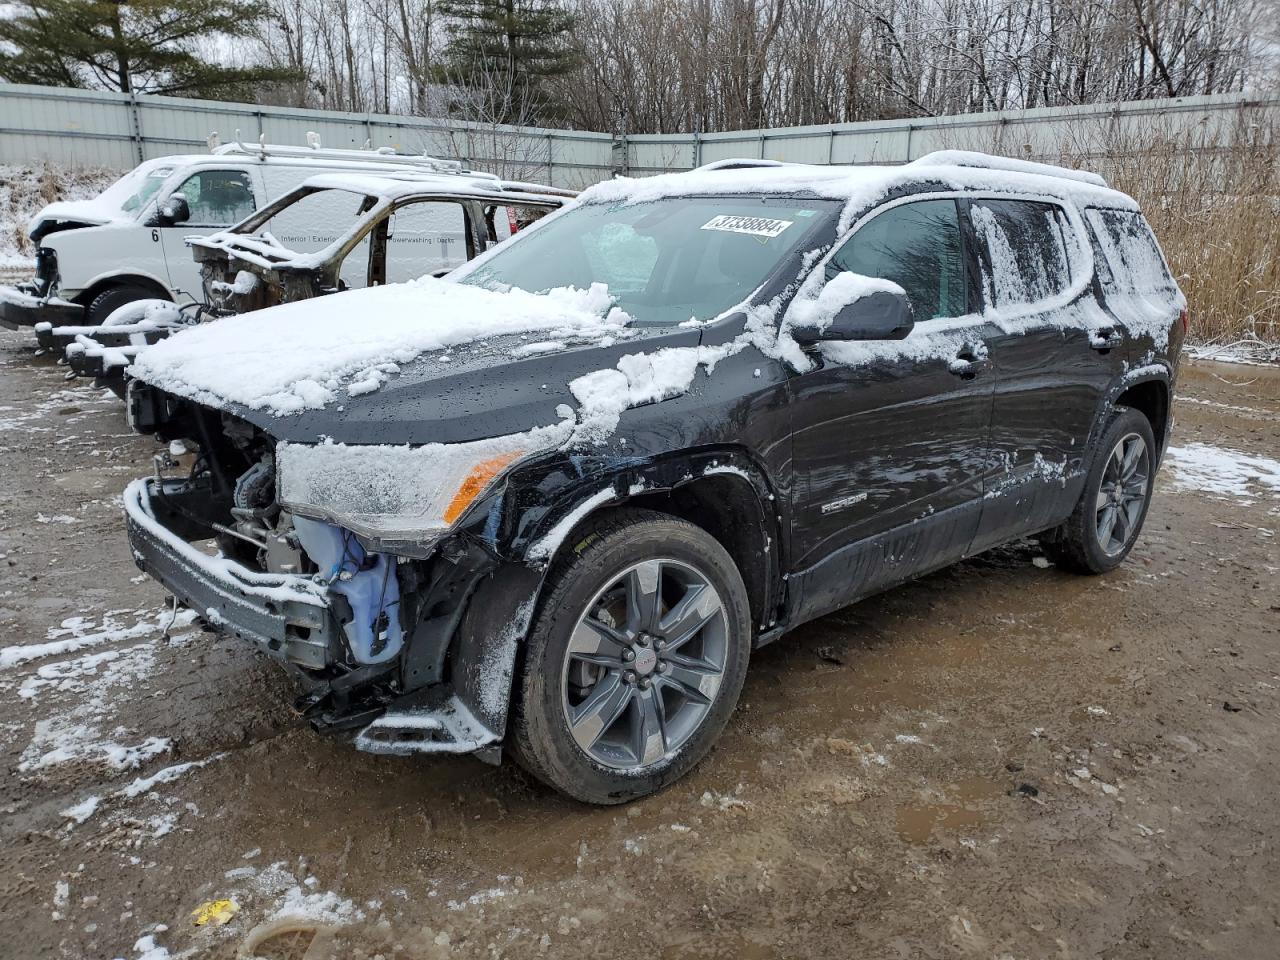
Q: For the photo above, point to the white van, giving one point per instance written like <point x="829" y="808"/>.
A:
<point x="126" y="244"/>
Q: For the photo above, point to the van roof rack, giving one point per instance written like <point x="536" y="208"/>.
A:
<point x="379" y="155"/>
<point x="970" y="158"/>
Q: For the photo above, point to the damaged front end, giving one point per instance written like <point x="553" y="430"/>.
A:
<point x="36" y="300"/>
<point x="371" y="632"/>
<point x="243" y="273"/>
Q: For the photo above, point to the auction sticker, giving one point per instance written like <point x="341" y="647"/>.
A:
<point x="755" y="226"/>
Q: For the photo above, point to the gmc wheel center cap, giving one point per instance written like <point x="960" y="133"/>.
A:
<point x="645" y="661"/>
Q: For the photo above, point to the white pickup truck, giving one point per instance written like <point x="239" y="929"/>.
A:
<point x="128" y="243"/>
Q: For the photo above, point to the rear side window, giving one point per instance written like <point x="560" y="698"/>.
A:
<point x="1132" y="255"/>
<point x="917" y="246"/>
<point x="1026" y="254"/>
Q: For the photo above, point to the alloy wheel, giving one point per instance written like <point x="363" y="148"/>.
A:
<point x="1122" y="493"/>
<point x="644" y="664"/>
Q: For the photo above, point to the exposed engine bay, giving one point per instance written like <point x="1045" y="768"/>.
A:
<point x="235" y="478"/>
<point x="414" y="651"/>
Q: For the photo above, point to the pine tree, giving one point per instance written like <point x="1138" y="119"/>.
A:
<point x="502" y="53"/>
<point x="140" y="46"/>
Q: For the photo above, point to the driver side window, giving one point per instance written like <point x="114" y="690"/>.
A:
<point x="916" y="245"/>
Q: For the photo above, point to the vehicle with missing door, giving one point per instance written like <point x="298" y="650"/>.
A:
<point x="653" y="433"/>
<point x="336" y="231"/>
<point x="129" y="242"/>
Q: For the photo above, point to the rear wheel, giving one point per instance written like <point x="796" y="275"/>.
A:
<point x="635" y="660"/>
<point x="1117" y="493"/>
<point x="112" y="299"/>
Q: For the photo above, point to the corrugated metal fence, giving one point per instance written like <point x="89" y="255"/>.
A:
<point x="93" y="128"/>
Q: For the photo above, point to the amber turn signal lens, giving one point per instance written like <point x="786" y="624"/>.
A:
<point x="476" y="481"/>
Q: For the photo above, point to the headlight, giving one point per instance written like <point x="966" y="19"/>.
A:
<point x="406" y="494"/>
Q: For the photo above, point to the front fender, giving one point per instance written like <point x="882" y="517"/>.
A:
<point x="524" y="533"/>
<point x="529" y="526"/>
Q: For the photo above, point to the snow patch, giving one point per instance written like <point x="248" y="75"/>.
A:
<point x="154" y="312"/>
<point x="818" y="310"/>
<point x="1223" y="473"/>
<point x="550" y="542"/>
<point x="81" y="636"/>
<point x="86" y="731"/>
<point x="83" y="810"/>
<point x="294" y="357"/>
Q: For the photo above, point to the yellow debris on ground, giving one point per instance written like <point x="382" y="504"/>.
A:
<point x="216" y="912"/>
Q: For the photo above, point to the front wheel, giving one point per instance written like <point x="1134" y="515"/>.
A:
<point x="635" y="660"/>
<point x="1117" y="494"/>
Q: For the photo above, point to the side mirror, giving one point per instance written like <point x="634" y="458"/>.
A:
<point x="175" y="210"/>
<point x="853" y="307"/>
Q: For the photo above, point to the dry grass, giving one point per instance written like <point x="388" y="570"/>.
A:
<point x="1213" y="198"/>
<point x="1214" y="202"/>
<point x="24" y="189"/>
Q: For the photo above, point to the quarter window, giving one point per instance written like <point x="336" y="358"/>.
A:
<point x="916" y="245"/>
<point x="1130" y="249"/>
<point x="1027" y="256"/>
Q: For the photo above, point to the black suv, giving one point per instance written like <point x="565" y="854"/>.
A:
<point x="553" y="501"/>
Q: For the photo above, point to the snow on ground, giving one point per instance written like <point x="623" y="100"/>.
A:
<point x="86" y="731"/>
<point x="77" y="633"/>
<point x="1248" y="350"/>
<point x="41" y="416"/>
<point x="1223" y="473"/>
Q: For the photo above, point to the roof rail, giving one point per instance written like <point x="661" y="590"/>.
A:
<point x="971" y="158"/>
<point x="741" y="163"/>
<point x="522" y="186"/>
<point x="380" y="155"/>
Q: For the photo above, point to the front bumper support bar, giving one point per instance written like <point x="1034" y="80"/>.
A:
<point x="21" y="306"/>
<point x="285" y="615"/>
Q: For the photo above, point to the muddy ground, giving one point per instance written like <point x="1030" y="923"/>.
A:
<point x="999" y="760"/>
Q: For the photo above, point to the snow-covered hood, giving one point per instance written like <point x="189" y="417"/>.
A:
<point x="426" y="361"/>
<point x="63" y="214"/>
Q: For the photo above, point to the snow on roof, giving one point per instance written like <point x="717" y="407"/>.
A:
<point x="971" y="158"/>
<point x="296" y="356"/>
<point x="398" y="185"/>
<point x="860" y="186"/>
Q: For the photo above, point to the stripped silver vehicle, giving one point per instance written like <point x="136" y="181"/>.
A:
<point x="335" y="231"/>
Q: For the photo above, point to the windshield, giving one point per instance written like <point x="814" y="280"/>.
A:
<point x="132" y="192"/>
<point x="665" y="261"/>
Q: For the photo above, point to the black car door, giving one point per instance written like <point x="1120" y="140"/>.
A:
<point x="1055" y="352"/>
<point x="890" y="441"/>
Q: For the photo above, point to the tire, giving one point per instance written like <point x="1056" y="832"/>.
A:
<point x="669" y="698"/>
<point x="112" y="299"/>
<point x="1078" y="545"/>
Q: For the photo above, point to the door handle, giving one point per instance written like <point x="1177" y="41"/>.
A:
<point x="970" y="361"/>
<point x="1107" y="338"/>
